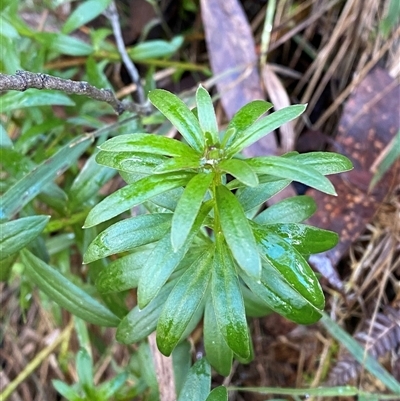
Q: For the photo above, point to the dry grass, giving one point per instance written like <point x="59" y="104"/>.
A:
<point x="343" y="43"/>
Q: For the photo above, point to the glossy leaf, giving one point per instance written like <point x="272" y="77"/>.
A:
<point x="292" y="265"/>
<point x="139" y="323"/>
<point x="290" y="210"/>
<point x="84" y="13"/>
<point x="16" y="234"/>
<point x="246" y="117"/>
<point x="147" y="143"/>
<point x="281" y="297"/>
<point x="292" y="170"/>
<point x="218" y="353"/>
<point x="133" y="195"/>
<point x="179" y="163"/>
<point x="325" y="162"/>
<point x="188" y="208"/>
<point x="250" y="198"/>
<point x="123" y="273"/>
<point x="240" y="170"/>
<point x="159" y="266"/>
<point x="32" y="184"/>
<point x="88" y="182"/>
<point x="163" y="260"/>
<point x="206" y="114"/>
<point x="305" y="239"/>
<point x="237" y="231"/>
<point x="65" y="293"/>
<point x="127" y="235"/>
<point x="155" y="49"/>
<point x="198" y="382"/>
<point x="180" y="116"/>
<point x="228" y="301"/>
<point x="218" y="394"/>
<point x="131" y="162"/>
<point x="182" y="303"/>
<point x="263" y="127"/>
<point x="20" y="100"/>
<point x="168" y="200"/>
<point x="254" y="305"/>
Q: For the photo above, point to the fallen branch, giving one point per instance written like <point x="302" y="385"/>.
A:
<point x="23" y="80"/>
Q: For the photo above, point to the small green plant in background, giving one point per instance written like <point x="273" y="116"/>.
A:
<point x="203" y="247"/>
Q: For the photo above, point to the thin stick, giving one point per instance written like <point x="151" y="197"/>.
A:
<point x="266" y="34"/>
<point x="112" y="14"/>
<point x="39" y="358"/>
<point x="164" y="371"/>
<point x="23" y="80"/>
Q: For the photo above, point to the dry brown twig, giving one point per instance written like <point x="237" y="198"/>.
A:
<point x="23" y="80"/>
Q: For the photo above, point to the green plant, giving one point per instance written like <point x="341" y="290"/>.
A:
<point x="204" y="247"/>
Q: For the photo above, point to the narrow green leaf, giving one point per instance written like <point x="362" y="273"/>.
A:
<point x="281" y="297"/>
<point x="16" y="234"/>
<point x="180" y="116"/>
<point x="139" y="323"/>
<point x="325" y="162"/>
<point x="66" y="391"/>
<point x="284" y="167"/>
<point x="292" y="265"/>
<point x="188" y="208"/>
<point x="63" y="44"/>
<point x="217" y="351"/>
<point x="163" y="261"/>
<point x="240" y="170"/>
<point x="393" y="153"/>
<point x="244" y="118"/>
<point x="66" y="294"/>
<point x="147" y="143"/>
<point x="182" y="303"/>
<point x="206" y="114"/>
<point x="360" y="354"/>
<point x="84" y="369"/>
<point x="305" y="239"/>
<point x="228" y="301"/>
<point x="218" y="394"/>
<point x="31" y="98"/>
<point x="110" y="388"/>
<point x="290" y="210"/>
<point x="198" y="382"/>
<point x="263" y="127"/>
<point x="254" y="305"/>
<point x="32" y="184"/>
<point x="237" y="231"/>
<point x="155" y="49"/>
<point x="179" y="163"/>
<point x="124" y="273"/>
<point x="250" y="197"/>
<point x="127" y="235"/>
<point x="5" y="140"/>
<point x="84" y="13"/>
<point x="88" y="182"/>
<point x="131" y="162"/>
<point x="181" y="360"/>
<point x="295" y="393"/>
<point x="133" y="195"/>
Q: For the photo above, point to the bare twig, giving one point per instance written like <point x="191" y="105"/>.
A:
<point x="23" y="80"/>
<point x="112" y="14"/>
<point x="164" y="371"/>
